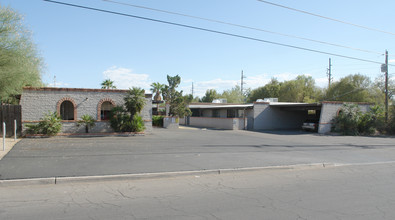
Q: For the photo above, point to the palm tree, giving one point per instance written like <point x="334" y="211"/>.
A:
<point x="135" y="100"/>
<point x="108" y="84"/>
<point x="157" y="88"/>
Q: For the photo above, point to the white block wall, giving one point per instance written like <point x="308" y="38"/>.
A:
<point x="330" y="110"/>
<point x="36" y="102"/>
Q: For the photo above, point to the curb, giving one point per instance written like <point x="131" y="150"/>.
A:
<point x="119" y="134"/>
<point x="141" y="176"/>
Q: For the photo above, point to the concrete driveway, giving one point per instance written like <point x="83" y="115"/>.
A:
<point x="184" y="150"/>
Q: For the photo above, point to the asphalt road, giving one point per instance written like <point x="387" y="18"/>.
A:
<point x="185" y="150"/>
<point x="348" y="192"/>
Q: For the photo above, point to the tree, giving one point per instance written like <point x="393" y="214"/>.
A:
<point x="270" y="90"/>
<point x="379" y="84"/>
<point x="20" y="64"/>
<point x="210" y="95"/>
<point x="233" y="95"/>
<point x="157" y="89"/>
<point x="352" y="88"/>
<point x="135" y="100"/>
<point x="301" y="89"/>
<point x="177" y="104"/>
<point x="108" y="84"/>
<point x="126" y="118"/>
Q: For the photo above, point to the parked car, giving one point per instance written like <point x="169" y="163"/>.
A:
<point x="310" y="125"/>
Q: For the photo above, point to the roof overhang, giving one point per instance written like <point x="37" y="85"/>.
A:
<point x="296" y="106"/>
<point x="220" y="106"/>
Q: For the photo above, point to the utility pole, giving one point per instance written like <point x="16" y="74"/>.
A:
<point x="329" y="73"/>
<point x="386" y="86"/>
<point x="192" y="90"/>
<point x="242" y="81"/>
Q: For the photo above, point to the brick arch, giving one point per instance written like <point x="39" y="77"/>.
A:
<point x="67" y="99"/>
<point x="338" y="111"/>
<point x="100" y="104"/>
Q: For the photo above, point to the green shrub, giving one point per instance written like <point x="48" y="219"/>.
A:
<point x="121" y="121"/>
<point x="50" y="124"/>
<point x="372" y="121"/>
<point x="88" y="121"/>
<point x="346" y="122"/>
<point x="118" y="117"/>
<point x="351" y="121"/>
<point x="390" y="128"/>
<point x="32" y="129"/>
<point x="157" y="120"/>
<point x="137" y="124"/>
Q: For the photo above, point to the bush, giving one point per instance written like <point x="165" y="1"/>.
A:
<point x="390" y="128"/>
<point x="372" y="121"/>
<point x="351" y="121"/>
<point x="50" y="124"/>
<point x="137" y="124"/>
<point x="88" y="121"/>
<point x="121" y="121"/>
<point x="346" y="122"/>
<point x="157" y="120"/>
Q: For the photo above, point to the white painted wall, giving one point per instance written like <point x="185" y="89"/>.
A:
<point x="267" y="117"/>
<point x="329" y="111"/>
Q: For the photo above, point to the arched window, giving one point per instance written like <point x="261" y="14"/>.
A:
<point x="67" y="110"/>
<point x="105" y="110"/>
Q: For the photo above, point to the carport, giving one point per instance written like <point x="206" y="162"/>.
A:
<point x="283" y="115"/>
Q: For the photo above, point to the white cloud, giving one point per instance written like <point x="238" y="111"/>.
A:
<point x="125" y="78"/>
<point x="201" y="87"/>
<point x="285" y="76"/>
<point x="391" y="61"/>
<point x="254" y="82"/>
<point x="321" y="82"/>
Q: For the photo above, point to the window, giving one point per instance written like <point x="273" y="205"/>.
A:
<point x="216" y="113"/>
<point x="67" y="110"/>
<point x="105" y="110"/>
<point x="235" y="113"/>
<point x="231" y="113"/>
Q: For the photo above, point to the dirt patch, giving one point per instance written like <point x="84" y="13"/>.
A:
<point x="9" y="143"/>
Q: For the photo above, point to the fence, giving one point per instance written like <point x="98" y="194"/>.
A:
<point x="9" y="113"/>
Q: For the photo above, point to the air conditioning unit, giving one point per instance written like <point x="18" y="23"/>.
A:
<point x="267" y="100"/>
<point x="220" y="101"/>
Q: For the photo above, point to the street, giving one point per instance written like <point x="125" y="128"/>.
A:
<point x="354" y="177"/>
<point x="345" y="192"/>
<point x="186" y="150"/>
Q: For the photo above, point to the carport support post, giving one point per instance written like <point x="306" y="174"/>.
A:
<point x="3" y="136"/>
<point x="14" y="130"/>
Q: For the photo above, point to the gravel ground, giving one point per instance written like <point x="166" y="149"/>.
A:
<point x="9" y="143"/>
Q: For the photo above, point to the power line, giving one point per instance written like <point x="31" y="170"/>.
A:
<point x="327" y="18"/>
<point x="214" y="31"/>
<point x="242" y="26"/>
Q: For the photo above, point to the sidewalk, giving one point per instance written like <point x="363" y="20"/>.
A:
<point x="9" y="144"/>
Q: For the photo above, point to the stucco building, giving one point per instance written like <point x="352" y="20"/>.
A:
<point x="264" y="115"/>
<point x="71" y="103"/>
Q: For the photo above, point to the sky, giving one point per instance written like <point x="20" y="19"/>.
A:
<point x="81" y="48"/>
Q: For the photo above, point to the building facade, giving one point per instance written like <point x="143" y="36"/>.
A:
<point x="264" y="115"/>
<point x="72" y="103"/>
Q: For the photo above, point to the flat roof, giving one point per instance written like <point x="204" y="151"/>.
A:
<point x="219" y="105"/>
<point x="293" y="104"/>
<point x="59" y="89"/>
<point x="296" y="106"/>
